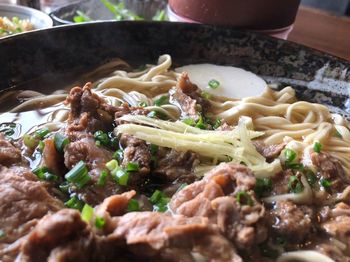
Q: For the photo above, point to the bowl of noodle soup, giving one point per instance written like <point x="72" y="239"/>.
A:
<point x="172" y="142"/>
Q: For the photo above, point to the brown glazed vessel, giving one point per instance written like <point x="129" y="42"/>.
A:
<point x="249" y="14"/>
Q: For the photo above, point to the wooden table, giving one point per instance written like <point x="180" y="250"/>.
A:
<point x="323" y="31"/>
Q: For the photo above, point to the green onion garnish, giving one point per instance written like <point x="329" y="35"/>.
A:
<point x="118" y="155"/>
<point x="41" y="133"/>
<point x="294" y="184"/>
<point x="133" y="205"/>
<point x="217" y="123"/>
<point x="337" y="134"/>
<point x="206" y="95"/>
<point x="311" y="177"/>
<point x="102" y="138"/>
<point x="123" y="177"/>
<point x="111" y="165"/>
<point x="78" y="175"/>
<point x="132" y="167"/>
<point x="87" y="213"/>
<point x="30" y="141"/>
<point x="160" y="201"/>
<point x="102" y="179"/>
<point x="290" y="155"/>
<point x="326" y="183"/>
<point x="65" y="187"/>
<point x="214" y="84"/>
<point x="189" y="121"/>
<point x="74" y="202"/>
<point x="143" y="104"/>
<point x="41" y="146"/>
<point x="50" y="177"/>
<point x="156" y="114"/>
<point x="244" y="199"/>
<point x="154" y="149"/>
<point x="100" y="222"/>
<point x="60" y="142"/>
<point x="163" y="100"/>
<point x="2" y="233"/>
<point x="317" y="147"/>
<point x="262" y="186"/>
<point x="200" y="123"/>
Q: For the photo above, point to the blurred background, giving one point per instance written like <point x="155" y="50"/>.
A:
<point x="341" y="7"/>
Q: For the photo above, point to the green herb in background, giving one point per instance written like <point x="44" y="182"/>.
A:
<point x="81" y="17"/>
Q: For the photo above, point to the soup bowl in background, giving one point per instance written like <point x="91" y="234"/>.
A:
<point x="271" y="17"/>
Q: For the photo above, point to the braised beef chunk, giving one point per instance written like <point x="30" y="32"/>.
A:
<point x="292" y="221"/>
<point x="125" y="109"/>
<point x="173" y="164"/>
<point x="88" y="111"/>
<point x="145" y="236"/>
<point x="270" y="152"/>
<point x="188" y="98"/>
<point x="136" y="151"/>
<point x="62" y="236"/>
<point x="225" y="195"/>
<point x="9" y="154"/>
<point x="23" y="200"/>
<point x="330" y="168"/>
<point x="338" y="226"/>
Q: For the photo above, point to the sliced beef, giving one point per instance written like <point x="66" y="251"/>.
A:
<point x="23" y="200"/>
<point x="338" y="225"/>
<point x="137" y="236"/>
<point x="333" y="252"/>
<point x="225" y="195"/>
<point x="330" y="168"/>
<point x="125" y="109"/>
<point x="62" y="236"/>
<point x="280" y="182"/>
<point x="9" y="154"/>
<point x="136" y="151"/>
<point x="88" y="112"/>
<point x="173" y="164"/>
<point x="187" y="96"/>
<point x="292" y="221"/>
<point x="270" y="152"/>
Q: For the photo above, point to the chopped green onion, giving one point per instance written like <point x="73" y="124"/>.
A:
<point x="41" y="146"/>
<point x="100" y="222"/>
<point x="118" y="155"/>
<point x="294" y="184"/>
<point x="262" y="186"/>
<point x="74" y="202"/>
<point x="317" y="147"/>
<point x="65" y="187"/>
<point x="40" y="172"/>
<point x="60" y="142"/>
<point x="102" y="179"/>
<point x="78" y="175"/>
<point x="326" y="183"/>
<point x="217" y="123"/>
<point x="156" y="196"/>
<point x="30" y="141"/>
<point x="2" y="233"/>
<point x="311" y="177"/>
<point x="50" y="177"/>
<point x="200" y="123"/>
<point x="123" y="177"/>
<point x="143" y="104"/>
<point x="214" y="84"/>
<point x="206" y="95"/>
<point x="290" y="155"/>
<point x="111" y="165"/>
<point x="154" y="149"/>
<point x="102" y="138"/>
<point x="163" y="100"/>
<point x="189" y="121"/>
<point x="87" y="213"/>
<point x="132" y="167"/>
<point x="296" y="166"/>
<point x="244" y="199"/>
<point x="133" y="205"/>
<point x="41" y="133"/>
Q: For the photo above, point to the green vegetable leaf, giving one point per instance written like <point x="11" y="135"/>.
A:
<point x="213" y="84"/>
<point x="317" y="147"/>
<point x="295" y="185"/>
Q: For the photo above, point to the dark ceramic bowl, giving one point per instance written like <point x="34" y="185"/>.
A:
<point x="56" y="57"/>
